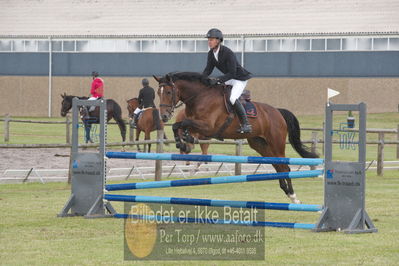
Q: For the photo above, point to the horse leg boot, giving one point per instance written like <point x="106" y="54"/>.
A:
<point x="240" y="111"/>
<point x="176" y="126"/>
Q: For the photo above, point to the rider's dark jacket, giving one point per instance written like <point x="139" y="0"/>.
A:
<point x="146" y="97"/>
<point x="227" y="63"/>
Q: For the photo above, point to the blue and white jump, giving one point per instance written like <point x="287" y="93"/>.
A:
<point x="212" y="181"/>
<point x="214" y="158"/>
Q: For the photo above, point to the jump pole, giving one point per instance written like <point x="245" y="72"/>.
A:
<point x="214" y="180"/>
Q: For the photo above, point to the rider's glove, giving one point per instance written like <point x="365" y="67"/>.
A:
<point x="214" y="82"/>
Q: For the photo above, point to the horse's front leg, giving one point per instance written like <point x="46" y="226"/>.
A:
<point x="138" y="131"/>
<point x="176" y="126"/>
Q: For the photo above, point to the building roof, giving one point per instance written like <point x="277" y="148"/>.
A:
<point x="195" y="17"/>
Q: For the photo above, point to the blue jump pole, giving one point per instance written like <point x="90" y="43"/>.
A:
<point x="174" y="219"/>
<point x="214" y="158"/>
<point x="214" y="180"/>
<point x="215" y="203"/>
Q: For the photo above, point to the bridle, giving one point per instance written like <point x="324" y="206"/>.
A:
<point x="174" y="104"/>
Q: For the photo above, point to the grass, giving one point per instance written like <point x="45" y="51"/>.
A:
<point x="30" y="232"/>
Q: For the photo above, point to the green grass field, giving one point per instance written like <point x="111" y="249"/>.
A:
<point x="30" y="232"/>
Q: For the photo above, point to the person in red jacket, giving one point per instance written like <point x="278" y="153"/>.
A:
<point x="96" y="91"/>
<point x="97" y="87"/>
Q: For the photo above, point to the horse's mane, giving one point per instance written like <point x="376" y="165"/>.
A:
<point x="190" y="76"/>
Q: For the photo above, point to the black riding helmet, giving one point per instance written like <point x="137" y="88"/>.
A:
<point x="95" y="74"/>
<point x="145" y="82"/>
<point x="215" y="33"/>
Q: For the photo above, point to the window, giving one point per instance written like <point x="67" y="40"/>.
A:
<point x="303" y="45"/>
<point x="334" y="44"/>
<point x="259" y="45"/>
<point x="5" y="45"/>
<point x="69" y="46"/>
<point x="188" y="46"/>
<point x="318" y="44"/>
<point x="273" y="45"/>
<point x="349" y="44"/>
<point x="174" y="46"/>
<point x="364" y="43"/>
<point x="42" y="46"/>
<point x="202" y="46"/>
<point x="148" y="46"/>
<point x="394" y="44"/>
<point x="380" y="44"/>
<point x="287" y="44"/>
<point x="133" y="46"/>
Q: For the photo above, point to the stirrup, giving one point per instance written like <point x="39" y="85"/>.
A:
<point x="245" y="129"/>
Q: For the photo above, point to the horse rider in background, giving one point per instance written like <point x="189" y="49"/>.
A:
<point x="224" y="59"/>
<point x="96" y="91"/>
<point x="145" y="99"/>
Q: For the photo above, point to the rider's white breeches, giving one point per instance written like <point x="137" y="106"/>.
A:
<point x="238" y="88"/>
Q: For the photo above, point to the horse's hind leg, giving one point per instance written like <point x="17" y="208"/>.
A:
<point x="268" y="150"/>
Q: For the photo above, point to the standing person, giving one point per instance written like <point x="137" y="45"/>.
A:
<point x="223" y="58"/>
<point x="146" y="100"/>
<point x="96" y="91"/>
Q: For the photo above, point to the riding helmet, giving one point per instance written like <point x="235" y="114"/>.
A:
<point x="215" y="33"/>
<point x="145" y="82"/>
<point x="95" y="74"/>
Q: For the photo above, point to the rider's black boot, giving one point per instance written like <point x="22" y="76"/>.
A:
<point x="240" y="111"/>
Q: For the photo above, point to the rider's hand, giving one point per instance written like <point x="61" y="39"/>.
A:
<point x="214" y="82"/>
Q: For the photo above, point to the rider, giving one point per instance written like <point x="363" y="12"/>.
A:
<point x="146" y="100"/>
<point x="223" y="58"/>
<point x="96" y="91"/>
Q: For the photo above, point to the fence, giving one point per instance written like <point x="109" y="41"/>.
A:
<point x="381" y="142"/>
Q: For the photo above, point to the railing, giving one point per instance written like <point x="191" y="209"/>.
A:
<point x="381" y="142"/>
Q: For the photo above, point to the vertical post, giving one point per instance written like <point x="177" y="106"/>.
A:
<point x="131" y="133"/>
<point x="380" y="155"/>
<point x="50" y="74"/>
<point x="313" y="146"/>
<point x="237" y="167"/>
<point x="67" y="130"/>
<point x="7" y="128"/>
<point x="158" y="163"/>
<point x="397" y="145"/>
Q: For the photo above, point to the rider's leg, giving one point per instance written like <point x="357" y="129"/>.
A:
<point x="92" y="108"/>
<point x="236" y="91"/>
<point x="136" y="114"/>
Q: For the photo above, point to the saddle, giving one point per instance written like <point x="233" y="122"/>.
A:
<point x="249" y="107"/>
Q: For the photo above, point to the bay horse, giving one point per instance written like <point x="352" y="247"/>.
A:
<point x="148" y="121"/>
<point x="187" y="147"/>
<point x="206" y="113"/>
<point x="113" y="111"/>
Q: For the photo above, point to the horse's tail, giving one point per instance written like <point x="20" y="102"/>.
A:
<point x="155" y="118"/>
<point x="118" y="118"/>
<point x="294" y="134"/>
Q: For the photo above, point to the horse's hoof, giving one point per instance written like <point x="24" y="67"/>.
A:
<point x="294" y="199"/>
<point x="178" y="145"/>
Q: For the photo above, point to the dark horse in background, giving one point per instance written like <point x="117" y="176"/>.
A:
<point x="113" y="111"/>
<point x="149" y="121"/>
<point x="206" y="114"/>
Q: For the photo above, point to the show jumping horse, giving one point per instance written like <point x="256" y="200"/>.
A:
<point x="186" y="147"/>
<point x="149" y="121"/>
<point x="113" y="111"/>
<point x="206" y="113"/>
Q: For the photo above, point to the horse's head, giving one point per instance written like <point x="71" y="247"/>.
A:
<point x="66" y="104"/>
<point x="132" y="104"/>
<point x="168" y="96"/>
